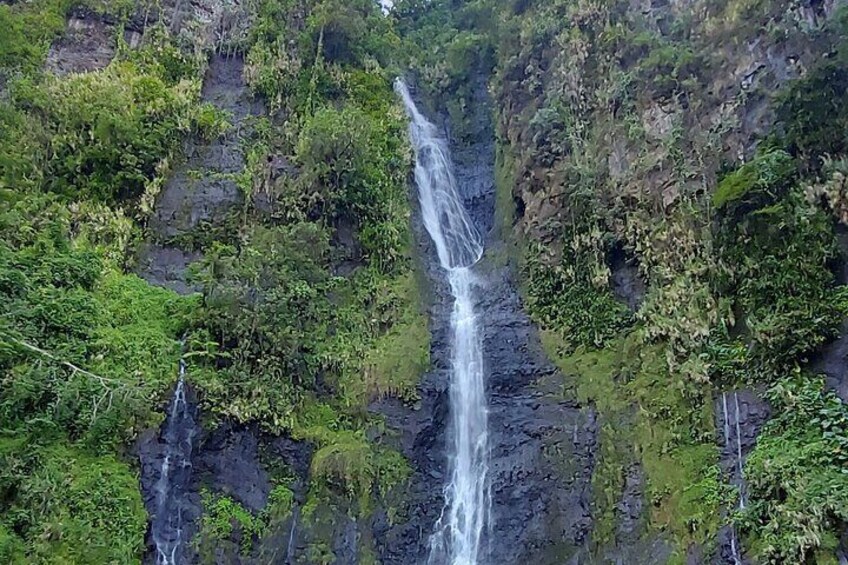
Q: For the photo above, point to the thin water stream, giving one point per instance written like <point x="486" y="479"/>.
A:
<point x="167" y="526"/>
<point x="457" y="534"/>
<point x="734" y="544"/>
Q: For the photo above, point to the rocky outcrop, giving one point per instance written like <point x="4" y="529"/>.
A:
<point x="227" y="460"/>
<point x="204" y="188"/>
<point x="626" y="281"/>
<point x="87" y="45"/>
<point x="167" y="267"/>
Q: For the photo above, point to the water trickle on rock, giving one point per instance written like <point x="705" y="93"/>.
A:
<point x="734" y="544"/>
<point x="167" y="526"/>
<point x="457" y="534"/>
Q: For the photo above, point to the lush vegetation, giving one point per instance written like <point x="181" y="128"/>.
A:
<point x="308" y="309"/>
<point x="87" y="350"/>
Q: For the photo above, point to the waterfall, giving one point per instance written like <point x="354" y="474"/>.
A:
<point x="734" y="546"/>
<point x="739" y="454"/>
<point x="167" y="523"/>
<point x="290" y="548"/>
<point x="458" y="531"/>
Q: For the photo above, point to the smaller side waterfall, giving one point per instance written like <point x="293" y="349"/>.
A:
<point x="167" y="525"/>
<point x="734" y="544"/>
<point x="290" y="548"/>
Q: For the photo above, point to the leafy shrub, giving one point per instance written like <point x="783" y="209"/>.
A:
<point x="28" y="29"/>
<point x="666" y="66"/>
<point x="761" y="181"/>
<point x="780" y="275"/>
<point x="796" y="473"/>
<point x="814" y="112"/>
<point x="71" y="506"/>
<point x="221" y="517"/>
<point x="109" y="129"/>
<point x="564" y="298"/>
<point x="351" y="168"/>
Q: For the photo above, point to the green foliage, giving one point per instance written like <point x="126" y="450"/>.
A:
<point x="349" y="32"/>
<point x="109" y="130"/>
<point x="351" y="167"/>
<point x="222" y="517"/>
<point x="449" y="47"/>
<point x="563" y="298"/>
<point x="311" y="312"/>
<point x="396" y="360"/>
<point x="86" y="352"/>
<point x="122" y="331"/>
<point x="105" y="134"/>
<point x="779" y="272"/>
<point x="70" y="506"/>
<point x="348" y="464"/>
<point x="814" y="110"/>
<point x="797" y="474"/>
<point x="11" y="546"/>
<point x="279" y="337"/>
<point x="651" y="418"/>
<point x="667" y="66"/>
<point x="601" y="115"/>
<point x="28" y="29"/>
<point x="761" y="181"/>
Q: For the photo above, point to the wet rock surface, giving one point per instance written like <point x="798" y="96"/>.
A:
<point x="832" y="359"/>
<point x="542" y="446"/>
<point x="740" y="416"/>
<point x="833" y="363"/>
<point x="88" y="44"/>
<point x="167" y="477"/>
<point x="225" y="461"/>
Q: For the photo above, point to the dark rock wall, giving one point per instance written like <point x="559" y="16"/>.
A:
<point x="203" y="189"/>
<point x="87" y="45"/>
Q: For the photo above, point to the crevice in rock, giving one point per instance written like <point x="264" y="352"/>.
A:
<point x="625" y="279"/>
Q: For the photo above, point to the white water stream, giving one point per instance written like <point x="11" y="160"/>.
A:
<point x="167" y="525"/>
<point x="458" y="532"/>
<point x="734" y="546"/>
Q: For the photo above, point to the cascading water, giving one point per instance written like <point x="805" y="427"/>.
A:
<point x="167" y="525"/>
<point x="290" y="549"/>
<point x="734" y="546"/>
<point x="457" y="534"/>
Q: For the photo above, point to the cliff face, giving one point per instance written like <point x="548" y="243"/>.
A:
<point x="663" y="303"/>
<point x="189" y="199"/>
<point x="666" y="156"/>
